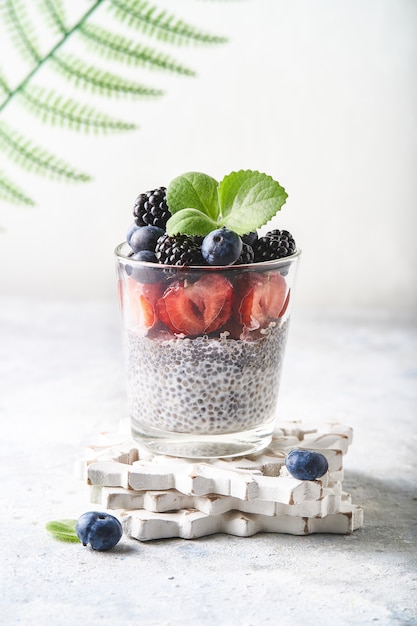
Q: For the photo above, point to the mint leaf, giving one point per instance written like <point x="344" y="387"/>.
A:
<point x="244" y="201"/>
<point x="63" y="529"/>
<point x="248" y="200"/>
<point x="190" y="222"/>
<point x="194" y="190"/>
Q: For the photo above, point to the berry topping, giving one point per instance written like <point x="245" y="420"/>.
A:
<point x="151" y="208"/>
<point x="145" y="238"/>
<point x="137" y="302"/>
<point x="250" y="238"/>
<point x="179" y="250"/>
<point x="101" y="530"/>
<point x="221" y="247"/>
<point x="143" y="274"/>
<point x="306" y="464"/>
<point x="276" y="244"/>
<point x="143" y="255"/>
<point x="199" y="222"/>
<point x="263" y="299"/>
<point x="246" y="256"/>
<point x="130" y="232"/>
<point x="196" y="308"/>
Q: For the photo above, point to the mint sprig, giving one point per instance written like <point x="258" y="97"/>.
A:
<point x="243" y="202"/>
<point x="63" y="529"/>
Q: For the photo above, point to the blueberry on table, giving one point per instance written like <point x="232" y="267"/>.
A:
<point x="306" y="464"/>
<point x="221" y="247"/>
<point x="101" y="530"/>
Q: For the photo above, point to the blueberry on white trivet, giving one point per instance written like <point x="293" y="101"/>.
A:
<point x="101" y="530"/>
<point x="221" y="247"/>
<point x="306" y="464"/>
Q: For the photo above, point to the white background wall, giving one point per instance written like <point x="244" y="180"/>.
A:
<point x="320" y="94"/>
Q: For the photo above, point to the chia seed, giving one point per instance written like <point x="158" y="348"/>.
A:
<point x="204" y="385"/>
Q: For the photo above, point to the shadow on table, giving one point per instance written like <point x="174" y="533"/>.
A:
<point x="390" y="513"/>
<point x="390" y="521"/>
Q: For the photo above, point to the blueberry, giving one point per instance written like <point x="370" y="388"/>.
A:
<point x="101" y="530"/>
<point x="145" y="255"/>
<point x="221" y="247"/>
<point x="306" y="464"/>
<point x="130" y="232"/>
<point x="144" y="274"/>
<point x="145" y="238"/>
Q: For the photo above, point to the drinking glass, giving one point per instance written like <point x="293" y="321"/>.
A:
<point x="204" y="349"/>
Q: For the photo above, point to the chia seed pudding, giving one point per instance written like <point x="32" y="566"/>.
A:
<point x="204" y="385"/>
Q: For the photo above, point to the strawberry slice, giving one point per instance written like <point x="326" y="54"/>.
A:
<point x="286" y="303"/>
<point x="137" y="302"/>
<point x="263" y="299"/>
<point x="196" y="308"/>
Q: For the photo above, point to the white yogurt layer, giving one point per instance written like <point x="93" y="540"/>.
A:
<point x="204" y="385"/>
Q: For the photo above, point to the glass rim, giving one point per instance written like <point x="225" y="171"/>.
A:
<point x="275" y="263"/>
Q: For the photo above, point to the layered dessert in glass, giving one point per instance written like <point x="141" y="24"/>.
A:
<point x="205" y="322"/>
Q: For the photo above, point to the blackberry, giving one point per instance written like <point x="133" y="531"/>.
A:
<point x="179" y="250"/>
<point x="151" y="208"/>
<point x="276" y="244"/>
<point x="246" y="256"/>
<point x="250" y="238"/>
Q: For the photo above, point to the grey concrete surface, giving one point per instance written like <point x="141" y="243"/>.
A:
<point x="61" y="382"/>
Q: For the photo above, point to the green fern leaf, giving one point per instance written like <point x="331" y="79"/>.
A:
<point x="33" y="158"/>
<point x="66" y="112"/>
<point x="4" y="85"/>
<point x="10" y="192"/>
<point x="54" y="15"/>
<point x="140" y="15"/>
<point x="120" y="48"/>
<point x="21" y="30"/>
<point x="99" y="81"/>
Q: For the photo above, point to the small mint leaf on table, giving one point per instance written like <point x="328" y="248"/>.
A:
<point x="248" y="200"/>
<point x="194" y="190"/>
<point x="190" y="222"/>
<point x="63" y="529"/>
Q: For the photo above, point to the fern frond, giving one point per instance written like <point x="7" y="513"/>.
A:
<point x="4" y="86"/>
<point x="140" y="15"/>
<point x="55" y="15"/>
<point x="69" y="113"/>
<point x="21" y="30"/>
<point x="10" y="192"/>
<point x="119" y="48"/>
<point x="99" y="81"/>
<point x="33" y="158"/>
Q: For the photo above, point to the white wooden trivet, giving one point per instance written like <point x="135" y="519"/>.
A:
<point x="160" y="496"/>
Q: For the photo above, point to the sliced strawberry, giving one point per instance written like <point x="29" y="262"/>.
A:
<point x="196" y="308"/>
<point x="286" y="303"/>
<point x="262" y="299"/>
<point x="138" y="303"/>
